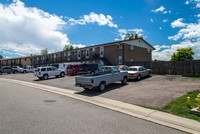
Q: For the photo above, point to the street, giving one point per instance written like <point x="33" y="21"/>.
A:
<point x="26" y="110"/>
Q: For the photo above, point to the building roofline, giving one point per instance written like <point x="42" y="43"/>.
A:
<point x="98" y="45"/>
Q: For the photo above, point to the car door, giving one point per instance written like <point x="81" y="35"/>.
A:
<point x="142" y="71"/>
<point x="117" y="75"/>
<point x="55" y="71"/>
<point x="49" y="71"/>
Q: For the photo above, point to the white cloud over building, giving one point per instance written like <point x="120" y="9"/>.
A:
<point x="27" y="30"/>
<point x="100" y="19"/>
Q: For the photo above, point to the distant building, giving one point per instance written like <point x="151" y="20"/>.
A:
<point x="113" y="53"/>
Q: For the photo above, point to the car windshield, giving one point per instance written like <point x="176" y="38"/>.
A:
<point x="133" y="69"/>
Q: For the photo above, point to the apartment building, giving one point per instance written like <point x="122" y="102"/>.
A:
<point x="113" y="53"/>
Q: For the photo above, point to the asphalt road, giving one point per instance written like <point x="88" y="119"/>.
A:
<point x="25" y="110"/>
<point x="155" y="91"/>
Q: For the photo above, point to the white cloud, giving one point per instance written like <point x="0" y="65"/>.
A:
<point x="189" y="31"/>
<point x="196" y="2"/>
<point x="187" y="2"/>
<point x="160" y="28"/>
<point x="25" y="30"/>
<point x="123" y="32"/>
<point x="100" y="19"/>
<point x="178" y="23"/>
<point x="164" y="52"/>
<point x="165" y="20"/>
<point x="151" y="20"/>
<point x="161" y="9"/>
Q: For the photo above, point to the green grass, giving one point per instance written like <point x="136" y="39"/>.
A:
<point x="179" y="107"/>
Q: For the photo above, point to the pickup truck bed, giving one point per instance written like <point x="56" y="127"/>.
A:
<point x="100" y="79"/>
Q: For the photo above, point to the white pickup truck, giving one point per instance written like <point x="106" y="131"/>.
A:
<point x="105" y="75"/>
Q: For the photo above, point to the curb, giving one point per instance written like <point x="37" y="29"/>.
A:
<point x="155" y="116"/>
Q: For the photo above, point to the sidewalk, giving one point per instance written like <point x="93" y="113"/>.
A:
<point x="159" y="117"/>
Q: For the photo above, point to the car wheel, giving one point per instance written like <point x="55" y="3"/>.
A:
<point x="86" y="88"/>
<point x="102" y="86"/>
<point x="0" y="73"/>
<point x="139" y="77"/>
<point x="124" y="81"/>
<point x="62" y="74"/>
<point x="45" y="77"/>
<point x="15" y="72"/>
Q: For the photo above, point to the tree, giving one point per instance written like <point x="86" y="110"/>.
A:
<point x="182" y="54"/>
<point x="1" y="57"/>
<point x="44" y="51"/>
<point x="68" y="47"/>
<point x="131" y="36"/>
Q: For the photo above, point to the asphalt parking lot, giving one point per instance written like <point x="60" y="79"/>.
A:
<point x="155" y="91"/>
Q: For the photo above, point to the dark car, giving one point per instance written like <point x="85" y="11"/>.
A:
<point x="7" y="70"/>
<point x="88" y="68"/>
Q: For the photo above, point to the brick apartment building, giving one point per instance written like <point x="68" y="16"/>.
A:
<point x="113" y="53"/>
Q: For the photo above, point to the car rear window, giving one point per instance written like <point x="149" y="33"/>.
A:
<point x="133" y="69"/>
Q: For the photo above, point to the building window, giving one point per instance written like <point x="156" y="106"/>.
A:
<point x="119" y="46"/>
<point x="148" y="50"/>
<point x="79" y="54"/>
<point x="131" y="47"/>
<point x="87" y="53"/>
<point x="68" y="58"/>
<point x="101" y="52"/>
<point x="94" y="50"/>
<point x="65" y="54"/>
<point x="119" y="60"/>
<point x="74" y="52"/>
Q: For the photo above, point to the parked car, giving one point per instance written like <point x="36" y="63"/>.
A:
<point x="72" y="69"/>
<point x="104" y="76"/>
<point x="17" y="68"/>
<point x="46" y="72"/>
<point x="63" y="66"/>
<point x="137" y="72"/>
<point x="26" y="69"/>
<point x="7" y="70"/>
<point x="123" y="67"/>
<point x="88" y="68"/>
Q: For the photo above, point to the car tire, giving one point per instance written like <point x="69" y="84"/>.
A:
<point x="62" y="74"/>
<point x="14" y="72"/>
<point x="139" y="77"/>
<point x="86" y="88"/>
<point x="102" y="86"/>
<point x="124" y="81"/>
<point x="24" y="71"/>
<point x="0" y="73"/>
<point x="45" y="76"/>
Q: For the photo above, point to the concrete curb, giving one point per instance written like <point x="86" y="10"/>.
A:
<point x="155" y="116"/>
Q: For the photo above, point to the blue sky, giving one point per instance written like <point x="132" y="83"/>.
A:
<point x="27" y="26"/>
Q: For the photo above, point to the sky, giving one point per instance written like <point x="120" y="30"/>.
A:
<point x="28" y="26"/>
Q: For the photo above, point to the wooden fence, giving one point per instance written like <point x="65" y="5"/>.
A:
<point x="185" y="68"/>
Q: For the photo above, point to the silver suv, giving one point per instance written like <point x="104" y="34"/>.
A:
<point x="46" y="72"/>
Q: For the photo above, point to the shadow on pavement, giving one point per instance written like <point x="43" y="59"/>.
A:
<point x="95" y="92"/>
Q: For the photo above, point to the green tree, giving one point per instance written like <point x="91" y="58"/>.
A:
<point x="1" y="56"/>
<point x="44" y="51"/>
<point x="68" y="47"/>
<point x="182" y="54"/>
<point x="131" y="36"/>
